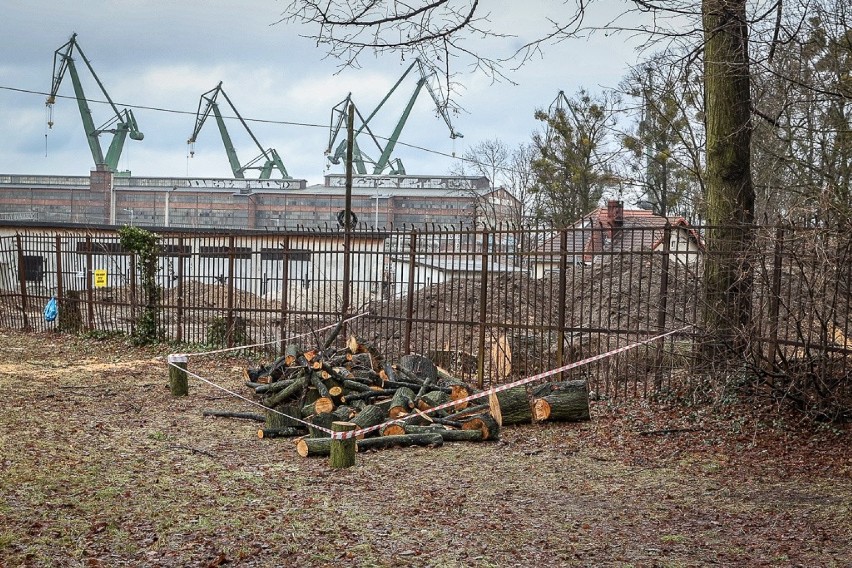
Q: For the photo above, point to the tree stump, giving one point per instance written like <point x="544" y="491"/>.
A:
<point x="178" y="383"/>
<point x="342" y="452"/>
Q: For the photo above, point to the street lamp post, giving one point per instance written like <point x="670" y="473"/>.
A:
<point x="130" y="210"/>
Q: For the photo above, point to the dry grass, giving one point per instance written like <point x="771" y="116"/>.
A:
<point x="101" y="467"/>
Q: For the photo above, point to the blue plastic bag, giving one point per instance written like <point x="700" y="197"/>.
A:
<point x="51" y="310"/>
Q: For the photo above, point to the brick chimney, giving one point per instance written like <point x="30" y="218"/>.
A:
<point x="615" y="213"/>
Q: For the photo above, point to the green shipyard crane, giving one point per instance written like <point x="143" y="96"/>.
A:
<point x="384" y="162"/>
<point x="120" y="125"/>
<point x="266" y="162"/>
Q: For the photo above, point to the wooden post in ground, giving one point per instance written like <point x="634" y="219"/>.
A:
<point x="342" y="451"/>
<point x="178" y="383"/>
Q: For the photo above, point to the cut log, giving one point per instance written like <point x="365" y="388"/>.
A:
<point x="227" y="414"/>
<point x="371" y="415"/>
<point x="284" y="417"/>
<point x="367" y="395"/>
<point x="420" y="366"/>
<point x="376" y="359"/>
<point x="383" y="442"/>
<point x="321" y="405"/>
<point x="322" y="420"/>
<point x="564" y="405"/>
<point x="313" y="447"/>
<point x="511" y="406"/>
<point x="274" y="387"/>
<point x="548" y="388"/>
<point x="401" y="403"/>
<point x="343" y="413"/>
<point x="408" y="375"/>
<point x="291" y="391"/>
<point x="468" y="412"/>
<point x="335" y="392"/>
<point x="484" y="423"/>
<point x="279" y="433"/>
<point x="446" y="434"/>
<point x="394" y="429"/>
<point x="432" y="399"/>
<point x="332" y="335"/>
<point x="462" y="435"/>
<point x="316" y="381"/>
<point x="291" y="353"/>
<point x="458" y="392"/>
<point x="356" y="386"/>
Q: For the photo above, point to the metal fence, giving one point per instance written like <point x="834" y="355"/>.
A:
<point x="488" y="305"/>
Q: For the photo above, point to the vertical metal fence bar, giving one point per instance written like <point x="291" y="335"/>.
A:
<point x="285" y="293"/>
<point x="60" y="284"/>
<point x="775" y="296"/>
<point x="483" y="296"/>
<point x="561" y="300"/>
<point x="22" y="282"/>
<point x="409" y="297"/>
<point x="182" y="255"/>
<point x="662" y="307"/>
<point x="231" y="283"/>
<point x="90" y="308"/>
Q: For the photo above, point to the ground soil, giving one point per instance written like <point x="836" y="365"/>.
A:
<point x="100" y="466"/>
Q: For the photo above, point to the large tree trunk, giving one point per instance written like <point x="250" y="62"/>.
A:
<point x="730" y="194"/>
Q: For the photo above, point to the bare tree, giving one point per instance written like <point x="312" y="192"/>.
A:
<point x="507" y="170"/>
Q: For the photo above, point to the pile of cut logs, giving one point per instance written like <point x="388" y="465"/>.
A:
<point x="356" y="384"/>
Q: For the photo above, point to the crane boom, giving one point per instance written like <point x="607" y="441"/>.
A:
<point x="271" y="159"/>
<point x="120" y="125"/>
<point x="386" y="149"/>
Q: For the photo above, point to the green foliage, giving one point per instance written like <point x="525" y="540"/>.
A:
<point x="144" y="244"/>
<point x="218" y="332"/>
<point x="103" y="335"/>
<point x="572" y="169"/>
<point x="664" y="154"/>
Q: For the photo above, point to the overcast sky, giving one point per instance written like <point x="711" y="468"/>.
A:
<point x="163" y="54"/>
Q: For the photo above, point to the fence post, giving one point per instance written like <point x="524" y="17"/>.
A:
<point x="409" y="300"/>
<point x="775" y="296"/>
<point x="134" y="300"/>
<point x="90" y="308"/>
<point x="230" y="319"/>
<point x="285" y="293"/>
<point x="179" y="315"/>
<point x="663" y="306"/>
<point x="483" y="306"/>
<point x="60" y="285"/>
<point x="561" y="305"/>
<point x="22" y="280"/>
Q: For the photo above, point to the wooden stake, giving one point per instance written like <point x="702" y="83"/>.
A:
<point x="178" y="382"/>
<point x="342" y="451"/>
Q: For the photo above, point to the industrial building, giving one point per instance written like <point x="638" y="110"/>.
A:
<point x="107" y="198"/>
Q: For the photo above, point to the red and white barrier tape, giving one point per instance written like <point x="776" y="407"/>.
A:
<point x="452" y="403"/>
<point x="507" y="386"/>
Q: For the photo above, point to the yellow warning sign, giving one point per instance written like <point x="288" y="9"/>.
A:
<point x="100" y="278"/>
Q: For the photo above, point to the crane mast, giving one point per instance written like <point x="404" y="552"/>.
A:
<point x="120" y="125"/>
<point x="384" y="162"/>
<point x="268" y="160"/>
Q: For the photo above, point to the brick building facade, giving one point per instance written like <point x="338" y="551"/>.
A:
<point x="379" y="201"/>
